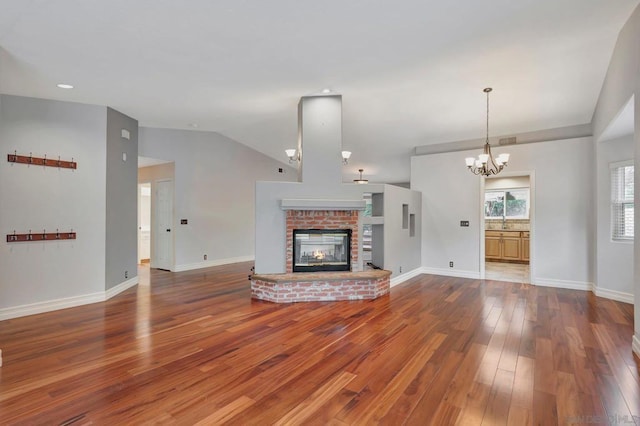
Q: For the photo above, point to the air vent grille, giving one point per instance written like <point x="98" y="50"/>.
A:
<point x="507" y="141"/>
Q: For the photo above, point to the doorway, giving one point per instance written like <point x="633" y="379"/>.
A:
<point x="144" y="222"/>
<point x="507" y="216"/>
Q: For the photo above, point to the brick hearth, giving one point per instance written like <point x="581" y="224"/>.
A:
<point x="320" y="286"/>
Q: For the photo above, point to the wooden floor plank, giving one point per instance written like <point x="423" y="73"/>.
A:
<point x="194" y="348"/>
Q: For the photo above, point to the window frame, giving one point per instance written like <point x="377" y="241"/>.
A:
<point x="618" y="203"/>
<point x="504" y="203"/>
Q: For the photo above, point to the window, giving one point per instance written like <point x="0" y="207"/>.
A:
<point x="515" y="207"/>
<point x="622" y="201"/>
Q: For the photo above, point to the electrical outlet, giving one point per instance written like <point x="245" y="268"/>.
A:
<point x="451" y="264"/>
<point x="126" y="274"/>
<point x="205" y="257"/>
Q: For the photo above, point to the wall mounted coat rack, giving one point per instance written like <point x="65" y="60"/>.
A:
<point x="41" y="236"/>
<point x="41" y="161"/>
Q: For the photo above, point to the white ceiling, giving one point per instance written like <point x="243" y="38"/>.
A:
<point x="411" y="72"/>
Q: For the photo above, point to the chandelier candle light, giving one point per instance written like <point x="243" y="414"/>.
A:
<point x="485" y="164"/>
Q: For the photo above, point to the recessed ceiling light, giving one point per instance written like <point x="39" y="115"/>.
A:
<point x="65" y="86"/>
<point x="326" y="91"/>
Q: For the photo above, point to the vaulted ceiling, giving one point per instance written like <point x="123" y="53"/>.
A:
<point x="411" y="72"/>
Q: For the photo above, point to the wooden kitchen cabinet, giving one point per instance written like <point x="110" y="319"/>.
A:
<point x="492" y="247"/>
<point x="525" y="246"/>
<point x="506" y="246"/>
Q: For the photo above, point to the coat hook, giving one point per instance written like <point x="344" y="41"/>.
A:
<point x="44" y="234"/>
<point x="31" y="158"/>
<point x="44" y="161"/>
<point x="58" y="161"/>
<point x="14" y="237"/>
<point x="29" y="236"/>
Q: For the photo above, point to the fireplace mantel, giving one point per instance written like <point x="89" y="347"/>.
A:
<point x="321" y="204"/>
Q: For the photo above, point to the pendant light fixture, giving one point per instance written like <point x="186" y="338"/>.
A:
<point x="485" y="164"/>
<point x="360" y="180"/>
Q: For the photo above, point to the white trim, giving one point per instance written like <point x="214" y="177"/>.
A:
<point x="210" y="263"/>
<point x="618" y="164"/>
<point x="451" y="272"/>
<point x="321" y="204"/>
<point x="613" y="294"/>
<point x="50" y="305"/>
<point x="635" y="345"/>
<point x="125" y="285"/>
<point x="570" y="285"/>
<point x="406" y="276"/>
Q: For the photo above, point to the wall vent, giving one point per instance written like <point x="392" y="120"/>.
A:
<point x="507" y="141"/>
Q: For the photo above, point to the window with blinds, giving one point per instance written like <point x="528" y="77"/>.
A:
<point x="622" y="201"/>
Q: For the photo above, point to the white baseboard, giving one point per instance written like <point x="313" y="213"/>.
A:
<point x="50" y="305"/>
<point x="451" y="272"/>
<point x="406" y="276"/>
<point x="613" y="295"/>
<point x="570" y="285"/>
<point x="120" y="288"/>
<point x="65" y="302"/>
<point x="635" y="345"/>
<point x="210" y="263"/>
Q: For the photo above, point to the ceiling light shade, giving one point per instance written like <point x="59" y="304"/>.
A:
<point x="345" y="157"/>
<point x="360" y="180"/>
<point x="291" y="153"/>
<point x="486" y="165"/>
<point x="64" y="86"/>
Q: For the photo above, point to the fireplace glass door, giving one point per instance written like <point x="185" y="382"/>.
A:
<point x="321" y="250"/>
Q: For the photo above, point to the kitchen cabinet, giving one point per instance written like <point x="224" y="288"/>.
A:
<point x="525" y="246"/>
<point x="506" y="246"/>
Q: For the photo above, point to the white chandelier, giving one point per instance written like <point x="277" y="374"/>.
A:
<point x="485" y="164"/>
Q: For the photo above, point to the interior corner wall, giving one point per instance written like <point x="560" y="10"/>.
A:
<point x="620" y="84"/>
<point x="214" y="190"/>
<point x="623" y="76"/>
<point x="121" y="200"/>
<point x="563" y="238"/>
<point x="614" y="267"/>
<point x="40" y="198"/>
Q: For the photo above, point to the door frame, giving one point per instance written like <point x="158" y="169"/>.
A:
<point x="140" y="185"/>
<point x="155" y="225"/>
<point x="532" y="214"/>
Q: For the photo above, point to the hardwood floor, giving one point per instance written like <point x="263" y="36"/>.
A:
<point x="193" y="348"/>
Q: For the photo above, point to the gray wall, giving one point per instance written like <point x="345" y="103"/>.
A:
<point x="621" y="82"/>
<point x="401" y="251"/>
<point x="563" y="236"/>
<point x="52" y="273"/>
<point x="121" y="199"/>
<point x="614" y="258"/>
<point x="215" y="190"/>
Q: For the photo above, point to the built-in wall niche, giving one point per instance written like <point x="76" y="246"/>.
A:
<point x="373" y="230"/>
<point x="377" y="251"/>
<point x="377" y="204"/>
<point x="405" y="216"/>
<point x="412" y="225"/>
